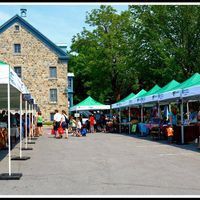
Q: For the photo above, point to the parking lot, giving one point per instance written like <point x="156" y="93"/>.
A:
<point x="104" y="164"/>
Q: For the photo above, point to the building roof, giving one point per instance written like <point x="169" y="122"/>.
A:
<point x="17" y="19"/>
<point x="70" y="74"/>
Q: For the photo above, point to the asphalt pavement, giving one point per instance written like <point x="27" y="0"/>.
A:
<point x="104" y="164"/>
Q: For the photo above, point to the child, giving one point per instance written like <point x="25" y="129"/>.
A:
<point x="74" y="125"/>
<point x="170" y="133"/>
<point x="79" y="126"/>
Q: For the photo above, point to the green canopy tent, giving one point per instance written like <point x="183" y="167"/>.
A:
<point x="133" y="100"/>
<point x="176" y="92"/>
<point x="144" y="98"/>
<point x="119" y="103"/>
<point x="89" y="104"/>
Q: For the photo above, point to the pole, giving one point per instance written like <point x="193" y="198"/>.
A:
<point x="20" y="148"/>
<point x="26" y="124"/>
<point x="182" y="127"/>
<point x="141" y="113"/>
<point x="170" y="108"/>
<point x="188" y="114"/>
<point x="120" y="128"/>
<point x="129" y="119"/>
<point x="32" y="122"/>
<point x="29" y="106"/>
<point x="9" y="143"/>
<point x="159" y="115"/>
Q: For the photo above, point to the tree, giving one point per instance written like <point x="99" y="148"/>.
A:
<point x="169" y="42"/>
<point x="102" y="57"/>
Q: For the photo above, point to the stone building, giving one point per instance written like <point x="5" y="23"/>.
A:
<point x="40" y="63"/>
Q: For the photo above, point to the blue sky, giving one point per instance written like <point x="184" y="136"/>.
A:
<point x="59" y="23"/>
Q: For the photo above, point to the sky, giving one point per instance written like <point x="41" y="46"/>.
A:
<point x="59" y="23"/>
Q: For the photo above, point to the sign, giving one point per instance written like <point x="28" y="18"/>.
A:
<point x="76" y="114"/>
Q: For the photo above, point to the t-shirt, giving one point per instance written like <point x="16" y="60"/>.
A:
<point x="57" y="117"/>
<point x="91" y="120"/>
<point x="79" y="125"/>
<point x="174" y="119"/>
<point x="193" y="116"/>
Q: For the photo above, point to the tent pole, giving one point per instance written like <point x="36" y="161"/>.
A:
<point x="159" y="115"/>
<point x="182" y="127"/>
<point x="141" y="113"/>
<point x="20" y="148"/>
<point x="29" y="118"/>
<point x="9" y="175"/>
<point x="188" y="110"/>
<point x="32" y="122"/>
<point x="129" y="119"/>
<point x="26" y="124"/>
<point x="120" y="128"/>
<point x="170" y="108"/>
<point x="9" y="143"/>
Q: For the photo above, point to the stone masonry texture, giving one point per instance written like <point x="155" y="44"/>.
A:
<point x="35" y="59"/>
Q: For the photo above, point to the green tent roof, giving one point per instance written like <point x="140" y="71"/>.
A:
<point x="194" y="79"/>
<point x="140" y="93"/>
<point x="2" y="63"/>
<point x="152" y="91"/>
<point x="130" y="96"/>
<point x="169" y="86"/>
<point x="89" y="101"/>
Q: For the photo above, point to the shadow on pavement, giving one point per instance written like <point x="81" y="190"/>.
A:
<point x="189" y="147"/>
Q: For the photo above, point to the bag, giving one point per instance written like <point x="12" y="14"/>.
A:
<point x="60" y="130"/>
<point x="66" y="120"/>
<point x="64" y="125"/>
<point x="83" y="131"/>
<point x="52" y="131"/>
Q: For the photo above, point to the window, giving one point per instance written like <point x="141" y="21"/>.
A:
<point x="53" y="72"/>
<point x="52" y="116"/>
<point x="69" y="83"/>
<point x="16" y="27"/>
<point x="53" y="95"/>
<point x="17" y="48"/>
<point x="18" y="71"/>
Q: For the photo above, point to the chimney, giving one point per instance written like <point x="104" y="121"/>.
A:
<point x="23" y="12"/>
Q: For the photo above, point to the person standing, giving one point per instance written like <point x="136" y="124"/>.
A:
<point x="57" y="122"/>
<point x="65" y="123"/>
<point x="39" y="121"/>
<point x="79" y="126"/>
<point x="92" y="122"/>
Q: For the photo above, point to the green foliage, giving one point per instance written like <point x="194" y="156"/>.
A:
<point x="134" y="50"/>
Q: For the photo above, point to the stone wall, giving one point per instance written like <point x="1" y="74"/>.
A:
<point x="35" y="59"/>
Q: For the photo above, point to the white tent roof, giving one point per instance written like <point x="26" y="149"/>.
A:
<point x="16" y="86"/>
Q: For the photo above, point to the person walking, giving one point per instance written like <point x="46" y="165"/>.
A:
<point x="65" y="123"/>
<point x="39" y="121"/>
<point x="74" y="125"/>
<point x="57" y="122"/>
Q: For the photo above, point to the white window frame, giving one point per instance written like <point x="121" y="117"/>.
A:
<point x="56" y="95"/>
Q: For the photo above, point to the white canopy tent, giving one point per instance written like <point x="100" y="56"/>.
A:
<point x="11" y="90"/>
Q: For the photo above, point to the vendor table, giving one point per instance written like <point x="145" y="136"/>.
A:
<point x="144" y="130"/>
<point x="125" y="127"/>
<point x="191" y="132"/>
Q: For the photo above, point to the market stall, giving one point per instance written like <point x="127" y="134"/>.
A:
<point x="11" y="89"/>
<point x="126" y="124"/>
<point x="89" y="104"/>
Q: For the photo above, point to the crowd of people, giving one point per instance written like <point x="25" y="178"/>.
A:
<point x="64" y="124"/>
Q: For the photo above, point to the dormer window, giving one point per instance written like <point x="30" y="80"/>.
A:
<point x="17" y="28"/>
